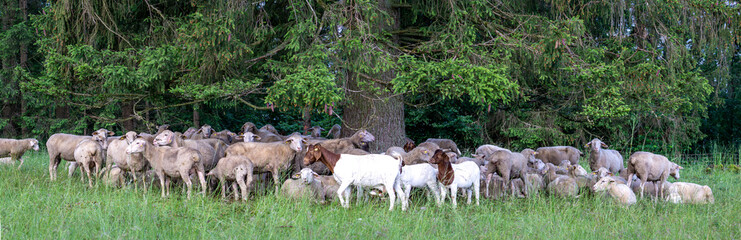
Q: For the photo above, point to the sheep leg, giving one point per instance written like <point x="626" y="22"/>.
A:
<point x="202" y="179"/>
<point x="19" y="165"/>
<point x="236" y="192"/>
<point x="408" y="190"/>
<point x="53" y="163"/>
<point x="488" y="179"/>
<point x="133" y="174"/>
<point x="359" y="194"/>
<point x="276" y="179"/>
<point x="343" y="190"/>
<point x="442" y="193"/>
<point x="246" y="185"/>
<point x="469" y="192"/>
<point x="167" y="184"/>
<point x="162" y="182"/>
<point x="186" y="178"/>
<point x="86" y="168"/>
<point x="476" y="189"/>
<point x="392" y="195"/>
<point x="643" y="182"/>
<point x="242" y="186"/>
<point x="454" y="195"/>
<point x="222" y="182"/>
<point x="435" y="191"/>
<point x="400" y="192"/>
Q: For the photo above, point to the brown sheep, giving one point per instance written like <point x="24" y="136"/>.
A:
<point x="16" y="148"/>
<point x="558" y="153"/>
<point x="607" y="158"/>
<point x="169" y="162"/>
<point x="651" y="167"/>
<point x="270" y="157"/>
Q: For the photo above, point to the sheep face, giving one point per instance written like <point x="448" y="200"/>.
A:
<point x="249" y="127"/>
<point x="603" y="184"/>
<point x="602" y="172"/>
<point x="101" y="136"/>
<point x="296" y="142"/>
<point x="316" y="131"/>
<point x="439" y="157"/>
<point x="207" y="130"/>
<point x="578" y="170"/>
<point x="164" y="138"/>
<point x="312" y="155"/>
<point x="674" y="172"/>
<point x="250" y="137"/>
<point x="34" y="144"/>
<point x="129" y="137"/>
<point x="535" y="163"/>
<point x="595" y="145"/>
<point x="366" y="136"/>
<point x="307" y="175"/>
<point x="137" y="146"/>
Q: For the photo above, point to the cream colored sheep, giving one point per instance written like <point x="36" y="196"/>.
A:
<point x="618" y="191"/>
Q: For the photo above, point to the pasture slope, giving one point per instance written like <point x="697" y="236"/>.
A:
<point x="32" y="207"/>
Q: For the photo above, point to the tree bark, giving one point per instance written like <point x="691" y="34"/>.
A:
<point x="307" y="120"/>
<point x="196" y="117"/>
<point x="380" y="113"/>
<point x="127" y="110"/>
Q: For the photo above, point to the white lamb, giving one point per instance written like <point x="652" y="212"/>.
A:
<point x="683" y="192"/>
<point x="618" y="191"/>
<point x="419" y="176"/>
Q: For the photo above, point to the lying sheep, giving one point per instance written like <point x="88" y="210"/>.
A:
<point x="519" y="188"/>
<point x="16" y="148"/>
<point x="558" y="153"/>
<point x="534" y="183"/>
<point x="272" y="157"/>
<point x="651" y="167"/>
<point x="561" y="185"/>
<point x="171" y="162"/>
<point x="113" y="176"/>
<point x="445" y="144"/>
<point x="683" y="192"/>
<point x="453" y="176"/>
<point x="335" y="131"/>
<point x="420" y="176"/>
<point x="296" y="188"/>
<point x="236" y="169"/>
<point x="495" y="189"/>
<point x="89" y="153"/>
<point x="618" y="191"/>
<point x="328" y="183"/>
<point x="607" y="158"/>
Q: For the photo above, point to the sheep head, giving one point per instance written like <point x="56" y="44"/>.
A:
<point x="307" y="175"/>
<point x="130" y="136"/>
<point x="409" y="145"/>
<point x="270" y="129"/>
<point x="101" y="136"/>
<point x="206" y="130"/>
<point x="313" y="154"/>
<point x="250" y="137"/>
<point x="165" y="138"/>
<point x="295" y="142"/>
<point x="674" y="171"/>
<point x="34" y="144"/>
<point x="364" y="136"/>
<point x="189" y="132"/>
<point x="137" y="146"/>
<point x="249" y="127"/>
<point x="316" y="131"/>
<point x="595" y="145"/>
<point x="439" y="157"/>
<point x="603" y="184"/>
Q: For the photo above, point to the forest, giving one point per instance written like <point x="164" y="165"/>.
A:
<point x="638" y="74"/>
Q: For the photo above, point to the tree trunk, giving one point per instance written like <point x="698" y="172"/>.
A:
<point x="380" y="114"/>
<point x="127" y="110"/>
<point x="196" y="117"/>
<point x="307" y="120"/>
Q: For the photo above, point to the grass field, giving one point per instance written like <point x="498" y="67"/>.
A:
<point x="32" y="207"/>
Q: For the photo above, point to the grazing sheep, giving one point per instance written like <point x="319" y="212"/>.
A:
<point x="89" y="152"/>
<point x="420" y="176"/>
<point x="683" y="192"/>
<point x="62" y="146"/>
<point x="453" y="176"/>
<point x="445" y="144"/>
<point x="618" y="191"/>
<point x="651" y="167"/>
<point x="167" y="162"/>
<point x="557" y="154"/>
<point x="607" y="158"/>
<point x="362" y="171"/>
<point x="507" y="164"/>
<point x="409" y="145"/>
<point x="561" y="185"/>
<point x="16" y="148"/>
<point x="272" y="157"/>
<point x="335" y="131"/>
<point x="236" y="169"/>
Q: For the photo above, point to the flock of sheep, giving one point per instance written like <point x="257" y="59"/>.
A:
<point x="327" y="169"/>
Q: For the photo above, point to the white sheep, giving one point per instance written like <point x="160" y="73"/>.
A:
<point x="648" y="166"/>
<point x="360" y="170"/>
<point x="419" y="176"/>
<point x="607" y="158"/>
<point x="683" y="192"/>
<point x="453" y="176"/>
<point x="618" y="191"/>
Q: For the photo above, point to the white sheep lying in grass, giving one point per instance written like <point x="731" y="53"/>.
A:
<point x="618" y="191"/>
<point x="419" y="176"/>
<point x="682" y="192"/>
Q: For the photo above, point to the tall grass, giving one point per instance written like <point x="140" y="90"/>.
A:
<point x="33" y="207"/>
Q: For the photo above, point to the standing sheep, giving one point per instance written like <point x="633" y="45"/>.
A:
<point x="272" y="157"/>
<point x="607" y="158"/>
<point x="62" y="146"/>
<point x="170" y="162"/>
<point x="453" y="176"/>
<point x="237" y="169"/>
<point x="507" y="164"/>
<point x="335" y="131"/>
<point x="618" y="191"/>
<point x="16" y="148"/>
<point x="89" y="152"/>
<point x="651" y="167"/>
<point x="419" y="176"/>
<point x="558" y="153"/>
<point x="209" y="154"/>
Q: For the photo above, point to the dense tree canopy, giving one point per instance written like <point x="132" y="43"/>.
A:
<point x="643" y="74"/>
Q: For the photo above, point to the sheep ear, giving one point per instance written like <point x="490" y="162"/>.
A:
<point x="296" y="176"/>
<point x="111" y="133"/>
<point x="680" y="167"/>
<point x="303" y="141"/>
<point x="314" y="174"/>
<point x="587" y="145"/>
<point x="122" y="137"/>
<point x="183" y="137"/>
<point x="603" y="145"/>
<point x="199" y="130"/>
<point x="257" y="137"/>
<point x="610" y="174"/>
